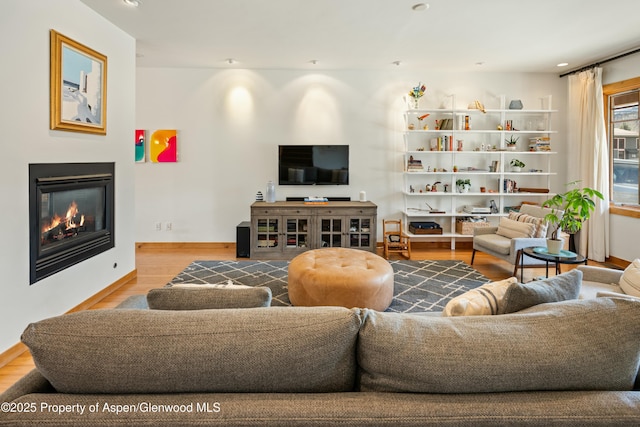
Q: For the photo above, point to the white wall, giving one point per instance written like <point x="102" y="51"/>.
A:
<point x="624" y="231"/>
<point x="24" y="120"/>
<point x="230" y="123"/>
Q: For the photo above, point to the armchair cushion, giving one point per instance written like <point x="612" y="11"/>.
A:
<point x="514" y="229"/>
<point x="493" y="242"/>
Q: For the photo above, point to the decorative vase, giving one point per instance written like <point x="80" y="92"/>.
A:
<point x="516" y="169"/>
<point x="416" y="102"/>
<point x="516" y="104"/>
<point x="511" y="147"/>
<point x="271" y="192"/>
<point x="463" y="188"/>
<point x="554" y="246"/>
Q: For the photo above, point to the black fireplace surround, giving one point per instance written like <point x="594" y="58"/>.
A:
<point x="71" y="215"/>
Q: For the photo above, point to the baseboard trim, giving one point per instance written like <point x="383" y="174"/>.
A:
<point x="94" y="299"/>
<point x="185" y="245"/>
<point x="18" y="349"/>
<point x="622" y="263"/>
<point x="12" y="353"/>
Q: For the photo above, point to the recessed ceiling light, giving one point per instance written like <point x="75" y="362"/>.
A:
<point x="420" y="6"/>
<point x="230" y="61"/>
<point x="313" y="61"/>
<point x="563" y="64"/>
<point x="396" y="63"/>
<point x="480" y="63"/>
<point x="132" y="3"/>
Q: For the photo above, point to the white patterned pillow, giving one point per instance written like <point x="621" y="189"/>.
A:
<point x="481" y="301"/>
<point x="630" y="280"/>
<point x="540" y="223"/>
<point x="515" y="229"/>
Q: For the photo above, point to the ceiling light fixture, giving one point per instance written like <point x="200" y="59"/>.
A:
<point x="314" y="61"/>
<point x="230" y="61"/>
<point x="132" y="3"/>
<point x="396" y="63"/>
<point x="563" y="64"/>
<point x="420" y="7"/>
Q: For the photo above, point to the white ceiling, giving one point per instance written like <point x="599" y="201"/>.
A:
<point x="450" y="35"/>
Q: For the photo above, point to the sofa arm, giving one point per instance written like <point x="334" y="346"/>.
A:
<point x="600" y="275"/>
<point x="33" y="382"/>
<point x="484" y="230"/>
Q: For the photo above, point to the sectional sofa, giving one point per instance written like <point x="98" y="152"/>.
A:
<point x="570" y="363"/>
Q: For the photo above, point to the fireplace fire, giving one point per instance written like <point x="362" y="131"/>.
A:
<point x="63" y="227"/>
<point x="71" y="214"/>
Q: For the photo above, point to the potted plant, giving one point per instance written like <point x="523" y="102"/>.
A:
<point x="463" y="185"/>
<point x="576" y="206"/>
<point x="516" y="165"/>
<point x="511" y="143"/>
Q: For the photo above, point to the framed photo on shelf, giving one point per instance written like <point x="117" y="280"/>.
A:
<point x="78" y="87"/>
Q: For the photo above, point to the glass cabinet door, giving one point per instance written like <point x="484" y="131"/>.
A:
<point x="331" y="232"/>
<point x="267" y="232"/>
<point x="297" y="232"/>
<point x="359" y="232"/>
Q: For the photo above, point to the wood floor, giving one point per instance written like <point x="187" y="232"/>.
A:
<point x="157" y="265"/>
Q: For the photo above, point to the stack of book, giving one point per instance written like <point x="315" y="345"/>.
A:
<point x="540" y="143"/>
<point x="414" y="165"/>
<point x="316" y="200"/>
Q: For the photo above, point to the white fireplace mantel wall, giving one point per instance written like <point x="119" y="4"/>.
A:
<point x="26" y="138"/>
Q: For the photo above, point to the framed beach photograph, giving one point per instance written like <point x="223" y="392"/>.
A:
<point x="78" y="87"/>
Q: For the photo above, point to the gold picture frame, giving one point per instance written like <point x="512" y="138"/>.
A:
<point x="78" y="92"/>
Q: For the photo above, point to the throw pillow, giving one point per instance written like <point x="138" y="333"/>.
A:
<point x="630" y="280"/>
<point x="484" y="300"/>
<point x="570" y="345"/>
<point x="563" y="287"/>
<point x="186" y="296"/>
<point x="540" y="223"/>
<point x="514" y="229"/>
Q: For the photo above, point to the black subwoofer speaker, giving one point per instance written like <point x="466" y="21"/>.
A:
<point x="243" y="240"/>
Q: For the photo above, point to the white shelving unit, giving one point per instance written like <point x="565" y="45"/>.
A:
<point x="473" y="152"/>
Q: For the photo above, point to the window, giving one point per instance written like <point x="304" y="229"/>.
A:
<point x="623" y="125"/>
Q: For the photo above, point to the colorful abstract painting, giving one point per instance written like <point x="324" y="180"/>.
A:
<point x="163" y="146"/>
<point x="140" y="138"/>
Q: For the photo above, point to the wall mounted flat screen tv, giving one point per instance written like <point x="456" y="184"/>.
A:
<point x="313" y="164"/>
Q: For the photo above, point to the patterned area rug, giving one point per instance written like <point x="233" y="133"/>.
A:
<point x="419" y="286"/>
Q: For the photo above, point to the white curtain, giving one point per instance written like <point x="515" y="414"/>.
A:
<point x="588" y="157"/>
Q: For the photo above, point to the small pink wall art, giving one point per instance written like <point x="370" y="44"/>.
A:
<point x="140" y="145"/>
<point x="163" y="146"/>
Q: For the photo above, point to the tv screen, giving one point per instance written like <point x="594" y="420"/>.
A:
<point x="313" y="164"/>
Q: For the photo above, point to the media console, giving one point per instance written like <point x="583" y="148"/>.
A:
<point x="282" y="230"/>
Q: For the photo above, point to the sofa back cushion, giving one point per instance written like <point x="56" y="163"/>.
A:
<point x="277" y="349"/>
<point x="201" y="297"/>
<point x="570" y="345"/>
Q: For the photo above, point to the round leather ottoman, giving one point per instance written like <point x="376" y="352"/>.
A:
<point x="340" y="277"/>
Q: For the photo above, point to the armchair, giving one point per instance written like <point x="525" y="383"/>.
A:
<point x="486" y="240"/>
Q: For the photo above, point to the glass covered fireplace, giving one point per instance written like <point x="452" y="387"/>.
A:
<point x="71" y="214"/>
